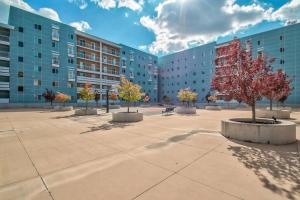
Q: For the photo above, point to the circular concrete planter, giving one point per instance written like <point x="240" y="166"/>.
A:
<point x="114" y="106"/>
<point x="63" y="108"/>
<point x="185" y="110"/>
<point x="279" y="114"/>
<point x="89" y="111"/>
<point x="282" y="133"/>
<point x="213" y="107"/>
<point x="127" y="117"/>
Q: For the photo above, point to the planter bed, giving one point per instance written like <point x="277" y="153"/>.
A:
<point x="185" y="110"/>
<point x="279" y="114"/>
<point x="213" y="107"/>
<point x="63" y="108"/>
<point x="89" y="111"/>
<point x="264" y="131"/>
<point x="127" y="117"/>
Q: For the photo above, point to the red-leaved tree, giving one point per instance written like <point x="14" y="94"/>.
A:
<point x="277" y="86"/>
<point x="239" y="76"/>
<point x="49" y="96"/>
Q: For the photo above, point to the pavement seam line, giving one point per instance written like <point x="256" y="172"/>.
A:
<point x="176" y="173"/>
<point x="45" y="185"/>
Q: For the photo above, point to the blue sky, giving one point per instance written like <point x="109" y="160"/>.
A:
<point x="165" y="26"/>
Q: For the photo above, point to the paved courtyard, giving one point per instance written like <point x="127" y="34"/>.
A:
<point x="55" y="155"/>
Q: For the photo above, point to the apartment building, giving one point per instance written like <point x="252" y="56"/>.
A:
<point x="37" y="53"/>
<point x="42" y="55"/>
<point x="192" y="68"/>
<point x="97" y="63"/>
<point x="4" y="63"/>
<point x="141" y="68"/>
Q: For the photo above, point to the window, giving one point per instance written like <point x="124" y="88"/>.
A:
<point x="54" y="83"/>
<point x="203" y="81"/>
<point x="39" y="41"/>
<point x="20" y="44"/>
<point x="281" y="61"/>
<point x="71" y="75"/>
<point x="54" y="70"/>
<point x="37" y="68"/>
<point x="39" y="55"/>
<point x="82" y="42"/>
<point x="194" y="82"/>
<point x="55" y="60"/>
<point x="70" y="60"/>
<point x="20" y="88"/>
<point x="281" y="49"/>
<point x="258" y="42"/>
<point x="71" y="50"/>
<point x="21" y="29"/>
<point x="4" y="94"/>
<point x="281" y="37"/>
<point x="55" y="34"/>
<point x="20" y="74"/>
<point x="71" y="36"/>
<point x="38" y="27"/>
<point x="53" y="44"/>
<point x="20" y="59"/>
<point x="37" y="82"/>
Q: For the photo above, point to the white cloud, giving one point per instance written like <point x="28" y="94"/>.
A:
<point x="106" y="4"/>
<point x="181" y="23"/>
<point x="81" y="26"/>
<point x="131" y="4"/>
<point x="82" y="4"/>
<point x="46" y="12"/>
<point x="49" y="13"/>
<point x="143" y="47"/>
<point x="288" y="12"/>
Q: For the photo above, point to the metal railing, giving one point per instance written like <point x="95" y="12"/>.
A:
<point x="89" y="46"/>
<point x="4" y="54"/>
<point x="110" y="62"/>
<point x="107" y="51"/>
<point x="89" y="57"/>
<point x="115" y="72"/>
<point x="89" y="68"/>
<point x="4" y="38"/>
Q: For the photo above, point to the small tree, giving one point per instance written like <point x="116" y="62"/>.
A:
<point x="97" y="97"/>
<point x="241" y="77"/>
<point x="187" y="96"/>
<point x="212" y="98"/>
<point x="62" y="98"/>
<point x="277" y="86"/>
<point x="49" y="96"/>
<point x="113" y="96"/>
<point x="86" y="94"/>
<point x="129" y="92"/>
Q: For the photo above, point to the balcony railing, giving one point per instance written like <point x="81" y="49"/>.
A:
<point x="110" y="62"/>
<point x="107" y="51"/>
<point x="89" y="46"/>
<point x="115" y="72"/>
<point x="4" y="38"/>
<point x="4" y="54"/>
<point x="89" y="68"/>
<point x="89" y="57"/>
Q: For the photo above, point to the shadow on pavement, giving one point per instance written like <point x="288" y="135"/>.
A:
<point x="107" y="126"/>
<point x="279" y="171"/>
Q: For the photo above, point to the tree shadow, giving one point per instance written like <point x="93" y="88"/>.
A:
<point x="177" y="138"/>
<point x="105" y="127"/>
<point x="279" y="171"/>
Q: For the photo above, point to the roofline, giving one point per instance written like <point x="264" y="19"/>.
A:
<point x="6" y="26"/>
<point x="83" y="34"/>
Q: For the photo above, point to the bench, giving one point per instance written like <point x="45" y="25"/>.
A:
<point x="168" y="110"/>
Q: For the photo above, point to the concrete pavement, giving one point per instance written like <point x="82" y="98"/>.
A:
<point x="55" y="155"/>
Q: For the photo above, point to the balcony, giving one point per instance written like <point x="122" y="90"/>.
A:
<point x="88" y="68"/>
<point x="110" y="52"/>
<point x="4" y="39"/>
<point x="89" y="57"/>
<point x="88" y="46"/>
<point x="4" y="55"/>
<point x="111" y="72"/>
<point x="4" y="71"/>
<point x="110" y="62"/>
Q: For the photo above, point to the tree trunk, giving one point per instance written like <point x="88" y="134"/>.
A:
<point x="271" y="104"/>
<point x="128" y="107"/>
<point x="253" y="113"/>
<point x="86" y="106"/>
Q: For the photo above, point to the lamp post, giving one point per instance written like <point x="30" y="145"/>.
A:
<point x="107" y="97"/>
